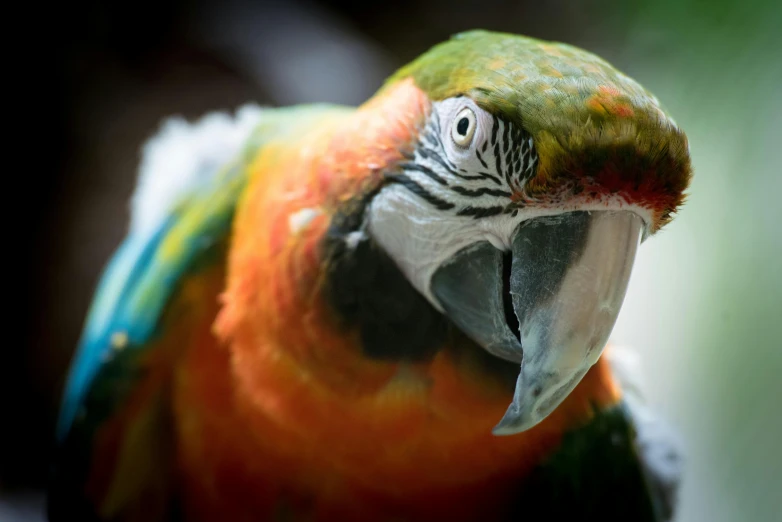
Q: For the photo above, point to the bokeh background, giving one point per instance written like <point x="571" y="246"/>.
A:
<point x="704" y="307"/>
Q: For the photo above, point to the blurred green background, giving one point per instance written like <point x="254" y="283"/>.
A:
<point x="704" y="307"/>
<point x="705" y="302"/>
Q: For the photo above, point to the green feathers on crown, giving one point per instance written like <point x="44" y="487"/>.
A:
<point x="579" y="109"/>
<point x="541" y="85"/>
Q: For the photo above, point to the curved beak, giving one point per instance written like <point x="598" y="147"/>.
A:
<point x="548" y="304"/>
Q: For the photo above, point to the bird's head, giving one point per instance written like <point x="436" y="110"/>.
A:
<point x="537" y="171"/>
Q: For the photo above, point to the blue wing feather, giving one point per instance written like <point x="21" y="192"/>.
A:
<point x="108" y="314"/>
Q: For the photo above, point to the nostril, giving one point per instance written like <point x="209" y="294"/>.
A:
<point x="507" y="300"/>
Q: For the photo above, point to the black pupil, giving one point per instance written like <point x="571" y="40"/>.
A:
<point x="461" y="127"/>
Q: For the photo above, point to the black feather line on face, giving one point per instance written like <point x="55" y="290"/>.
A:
<point x="420" y="191"/>
<point x="479" y="176"/>
<point x="513" y="161"/>
<point x="433" y="155"/>
<point x="483" y="191"/>
<point x="480" y="158"/>
<point x="480" y="212"/>
<point x="498" y="159"/>
<point x="423" y="170"/>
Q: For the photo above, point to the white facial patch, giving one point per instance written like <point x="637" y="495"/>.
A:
<point x="451" y="196"/>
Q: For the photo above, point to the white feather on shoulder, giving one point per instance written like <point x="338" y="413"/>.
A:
<point x="182" y="157"/>
<point x="660" y="446"/>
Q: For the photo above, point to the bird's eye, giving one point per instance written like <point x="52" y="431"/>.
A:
<point x="463" y="127"/>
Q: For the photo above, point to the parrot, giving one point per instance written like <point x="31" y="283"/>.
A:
<point x="396" y="311"/>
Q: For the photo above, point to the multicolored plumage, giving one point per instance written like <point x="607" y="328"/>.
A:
<point x="284" y="334"/>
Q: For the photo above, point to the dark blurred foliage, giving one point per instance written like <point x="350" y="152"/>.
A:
<point x="111" y="70"/>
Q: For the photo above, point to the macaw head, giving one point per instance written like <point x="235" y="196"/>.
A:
<point x="537" y="171"/>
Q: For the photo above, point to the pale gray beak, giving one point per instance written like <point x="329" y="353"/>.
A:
<point x="549" y="304"/>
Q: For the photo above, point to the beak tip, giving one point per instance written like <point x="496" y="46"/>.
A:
<point x="502" y="430"/>
<point x="536" y="399"/>
<point x="515" y="421"/>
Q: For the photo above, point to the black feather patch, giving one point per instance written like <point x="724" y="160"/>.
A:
<point x="598" y="473"/>
<point x="367" y="291"/>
